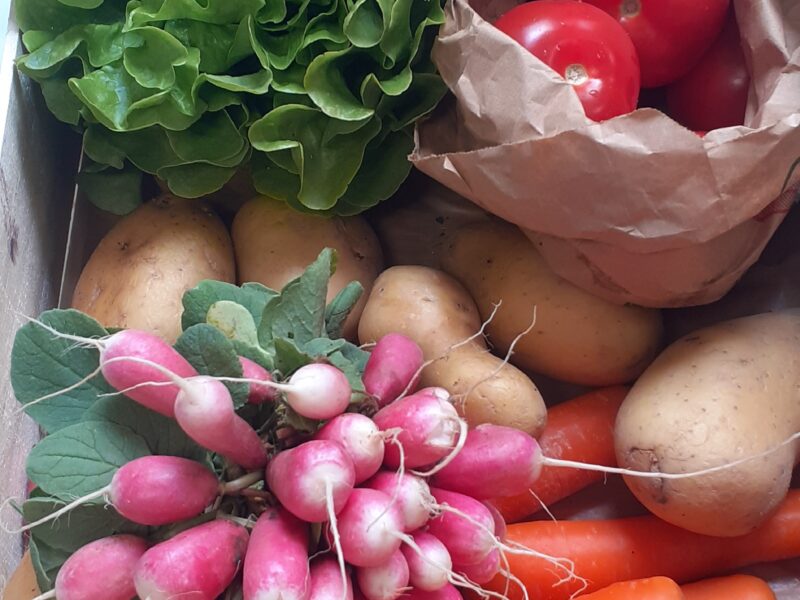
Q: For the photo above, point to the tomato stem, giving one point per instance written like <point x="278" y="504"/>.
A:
<point x="630" y="8"/>
<point x="575" y="74"/>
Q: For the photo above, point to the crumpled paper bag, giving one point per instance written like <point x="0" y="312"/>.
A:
<point x="637" y="208"/>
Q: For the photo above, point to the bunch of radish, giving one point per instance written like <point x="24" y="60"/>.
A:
<point x="375" y="507"/>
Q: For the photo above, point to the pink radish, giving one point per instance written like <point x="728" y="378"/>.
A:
<point x="157" y="490"/>
<point x="317" y="391"/>
<point x="258" y="393"/>
<point x="133" y="377"/>
<point x="371" y="528"/>
<point x="468" y="536"/>
<point x="199" y="563"/>
<point x="448" y="592"/>
<point x="100" y="570"/>
<point x="276" y="565"/>
<point x="428" y="426"/>
<point x="429" y="564"/>
<point x="204" y="410"/>
<point x="326" y="581"/>
<point x="495" y="461"/>
<point x="392" y="368"/>
<point x="482" y="572"/>
<point x="153" y="490"/>
<point x="313" y="480"/>
<point x="411" y="494"/>
<point x="360" y="438"/>
<point x="386" y="581"/>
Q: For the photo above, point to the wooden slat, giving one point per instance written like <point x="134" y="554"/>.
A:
<point x="38" y="160"/>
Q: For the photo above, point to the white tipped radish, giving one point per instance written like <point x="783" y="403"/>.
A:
<point x="153" y="490"/>
<point x="469" y="536"/>
<point x="482" y="572"/>
<point x="276" y="565"/>
<point x="157" y="490"/>
<point x="204" y="410"/>
<point x="317" y="391"/>
<point x="326" y="581"/>
<point x="360" y="438"/>
<point x="100" y="570"/>
<point x="428" y="425"/>
<point x="144" y="383"/>
<point x="258" y="393"/>
<point x="495" y="461"/>
<point x="392" y="368"/>
<point x="429" y="564"/>
<point x="371" y="528"/>
<point x="308" y="477"/>
<point x="199" y="563"/>
<point x="386" y="581"/>
<point x="411" y="494"/>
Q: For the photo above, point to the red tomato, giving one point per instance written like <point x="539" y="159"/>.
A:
<point x="585" y="46"/>
<point x="669" y="35"/>
<point x="714" y="93"/>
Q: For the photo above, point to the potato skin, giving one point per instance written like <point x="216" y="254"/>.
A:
<point x="717" y="395"/>
<point x="137" y="275"/>
<point x="275" y="243"/>
<point x="578" y="338"/>
<point x="436" y="312"/>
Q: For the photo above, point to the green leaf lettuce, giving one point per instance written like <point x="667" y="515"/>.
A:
<point x="318" y="98"/>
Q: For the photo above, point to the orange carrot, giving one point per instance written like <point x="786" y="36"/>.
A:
<point x="604" y="552"/>
<point x="732" y="587"/>
<point x="580" y="429"/>
<point x="652" y="588"/>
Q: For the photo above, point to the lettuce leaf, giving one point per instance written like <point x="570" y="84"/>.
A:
<point x="317" y="98"/>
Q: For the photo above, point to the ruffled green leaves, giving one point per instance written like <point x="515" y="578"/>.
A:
<point x="314" y="94"/>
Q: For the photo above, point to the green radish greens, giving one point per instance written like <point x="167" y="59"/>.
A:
<point x="300" y="92"/>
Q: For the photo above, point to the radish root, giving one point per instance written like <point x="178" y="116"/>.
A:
<point x="571" y="464"/>
<point x="510" y="547"/>
<point x="337" y="542"/>
<point x="463" y="397"/>
<point x="101" y="493"/>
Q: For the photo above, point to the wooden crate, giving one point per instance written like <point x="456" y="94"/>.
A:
<point x="38" y="162"/>
<point x="47" y="231"/>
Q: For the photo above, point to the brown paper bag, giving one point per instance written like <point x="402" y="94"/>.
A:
<point x="637" y="208"/>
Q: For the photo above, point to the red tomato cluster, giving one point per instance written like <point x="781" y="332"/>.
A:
<point x="682" y="56"/>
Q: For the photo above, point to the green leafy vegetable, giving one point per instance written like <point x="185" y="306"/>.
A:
<point x="43" y="364"/>
<point x="199" y="300"/>
<point x="340" y="307"/>
<point x="191" y="90"/>
<point x="211" y="353"/>
<point x="82" y="458"/>
<point x="298" y="313"/>
<point x="161" y="434"/>
<point x="234" y="321"/>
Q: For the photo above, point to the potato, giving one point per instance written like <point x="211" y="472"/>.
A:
<point x="275" y="243"/>
<point x="436" y="312"/>
<point x="578" y="338"/>
<point x="720" y="394"/>
<point x="22" y="585"/>
<point x="138" y="273"/>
